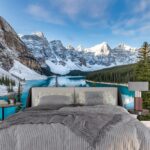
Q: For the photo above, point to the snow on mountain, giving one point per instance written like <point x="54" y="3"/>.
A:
<point x="37" y="44"/>
<point x="125" y="54"/>
<point x="70" y="47"/>
<point x="61" y="60"/>
<point x="28" y="56"/>
<point x="79" y="48"/>
<point x="125" y="47"/>
<point x="39" y="34"/>
<point x="6" y="73"/>
<point x="23" y="72"/>
<point x="13" y="48"/>
<point x="4" y="88"/>
<point x="100" y="49"/>
<point x="58" y="68"/>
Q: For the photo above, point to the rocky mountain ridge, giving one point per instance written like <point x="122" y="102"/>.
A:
<point x="62" y="60"/>
<point x="13" y="48"/>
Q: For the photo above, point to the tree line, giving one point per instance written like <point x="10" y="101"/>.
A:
<point x="4" y="80"/>
<point x="120" y="74"/>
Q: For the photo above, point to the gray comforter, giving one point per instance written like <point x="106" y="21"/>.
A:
<point x="101" y="127"/>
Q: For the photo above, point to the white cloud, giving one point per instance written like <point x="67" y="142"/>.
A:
<point x="137" y="29"/>
<point x="98" y="14"/>
<point x="41" y="13"/>
<point x="82" y="8"/>
<point x="141" y="6"/>
<point x="123" y="32"/>
<point x="69" y="7"/>
<point x="59" y="11"/>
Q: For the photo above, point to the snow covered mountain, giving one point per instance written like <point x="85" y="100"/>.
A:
<point x="125" y="47"/>
<point x="23" y="72"/>
<point x="100" y="49"/>
<point x="62" y="60"/>
<point x="125" y="54"/>
<point x="12" y="48"/>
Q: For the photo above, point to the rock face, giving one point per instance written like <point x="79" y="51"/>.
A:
<point x="12" y="47"/>
<point x="62" y="60"/>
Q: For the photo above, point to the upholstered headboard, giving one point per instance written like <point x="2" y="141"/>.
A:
<point x="38" y="92"/>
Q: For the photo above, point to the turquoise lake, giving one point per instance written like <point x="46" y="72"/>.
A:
<point x="66" y="81"/>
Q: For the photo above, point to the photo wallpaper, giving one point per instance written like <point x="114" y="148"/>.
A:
<point x="61" y="43"/>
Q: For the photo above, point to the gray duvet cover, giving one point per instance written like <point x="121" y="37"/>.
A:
<point x="101" y="127"/>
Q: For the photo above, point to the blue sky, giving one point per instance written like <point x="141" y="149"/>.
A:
<point x="85" y="22"/>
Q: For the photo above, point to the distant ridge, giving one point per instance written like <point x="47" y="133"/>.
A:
<point x="68" y="60"/>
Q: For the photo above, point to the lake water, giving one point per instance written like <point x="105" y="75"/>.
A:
<point x="66" y="81"/>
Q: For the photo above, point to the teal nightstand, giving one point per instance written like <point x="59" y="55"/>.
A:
<point x="3" y="106"/>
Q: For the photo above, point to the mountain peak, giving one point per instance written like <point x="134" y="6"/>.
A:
<point x="125" y="47"/>
<point x="104" y="43"/>
<point x="5" y="26"/>
<point x="100" y="49"/>
<point x="69" y="47"/>
<point x="39" y="34"/>
<point x="14" y="48"/>
<point x="56" y="42"/>
<point x="79" y="48"/>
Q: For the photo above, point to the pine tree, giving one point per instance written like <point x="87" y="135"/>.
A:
<point x="143" y="65"/>
<point x="3" y="79"/>
<point x="19" y="92"/>
<point x="18" y="98"/>
<point x="142" y="71"/>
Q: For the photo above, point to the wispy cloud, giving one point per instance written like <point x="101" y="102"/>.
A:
<point x="78" y="11"/>
<point x="71" y="8"/>
<point x="43" y="14"/>
<point x="82" y="8"/>
<point x="97" y="14"/>
<point x="135" y="22"/>
<point x="141" y="6"/>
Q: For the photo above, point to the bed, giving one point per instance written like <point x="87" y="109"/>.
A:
<point x="73" y="119"/>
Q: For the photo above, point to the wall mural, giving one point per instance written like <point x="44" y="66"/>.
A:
<point x="33" y="60"/>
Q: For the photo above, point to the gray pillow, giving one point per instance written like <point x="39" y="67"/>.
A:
<point x="93" y="98"/>
<point x="56" y="100"/>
